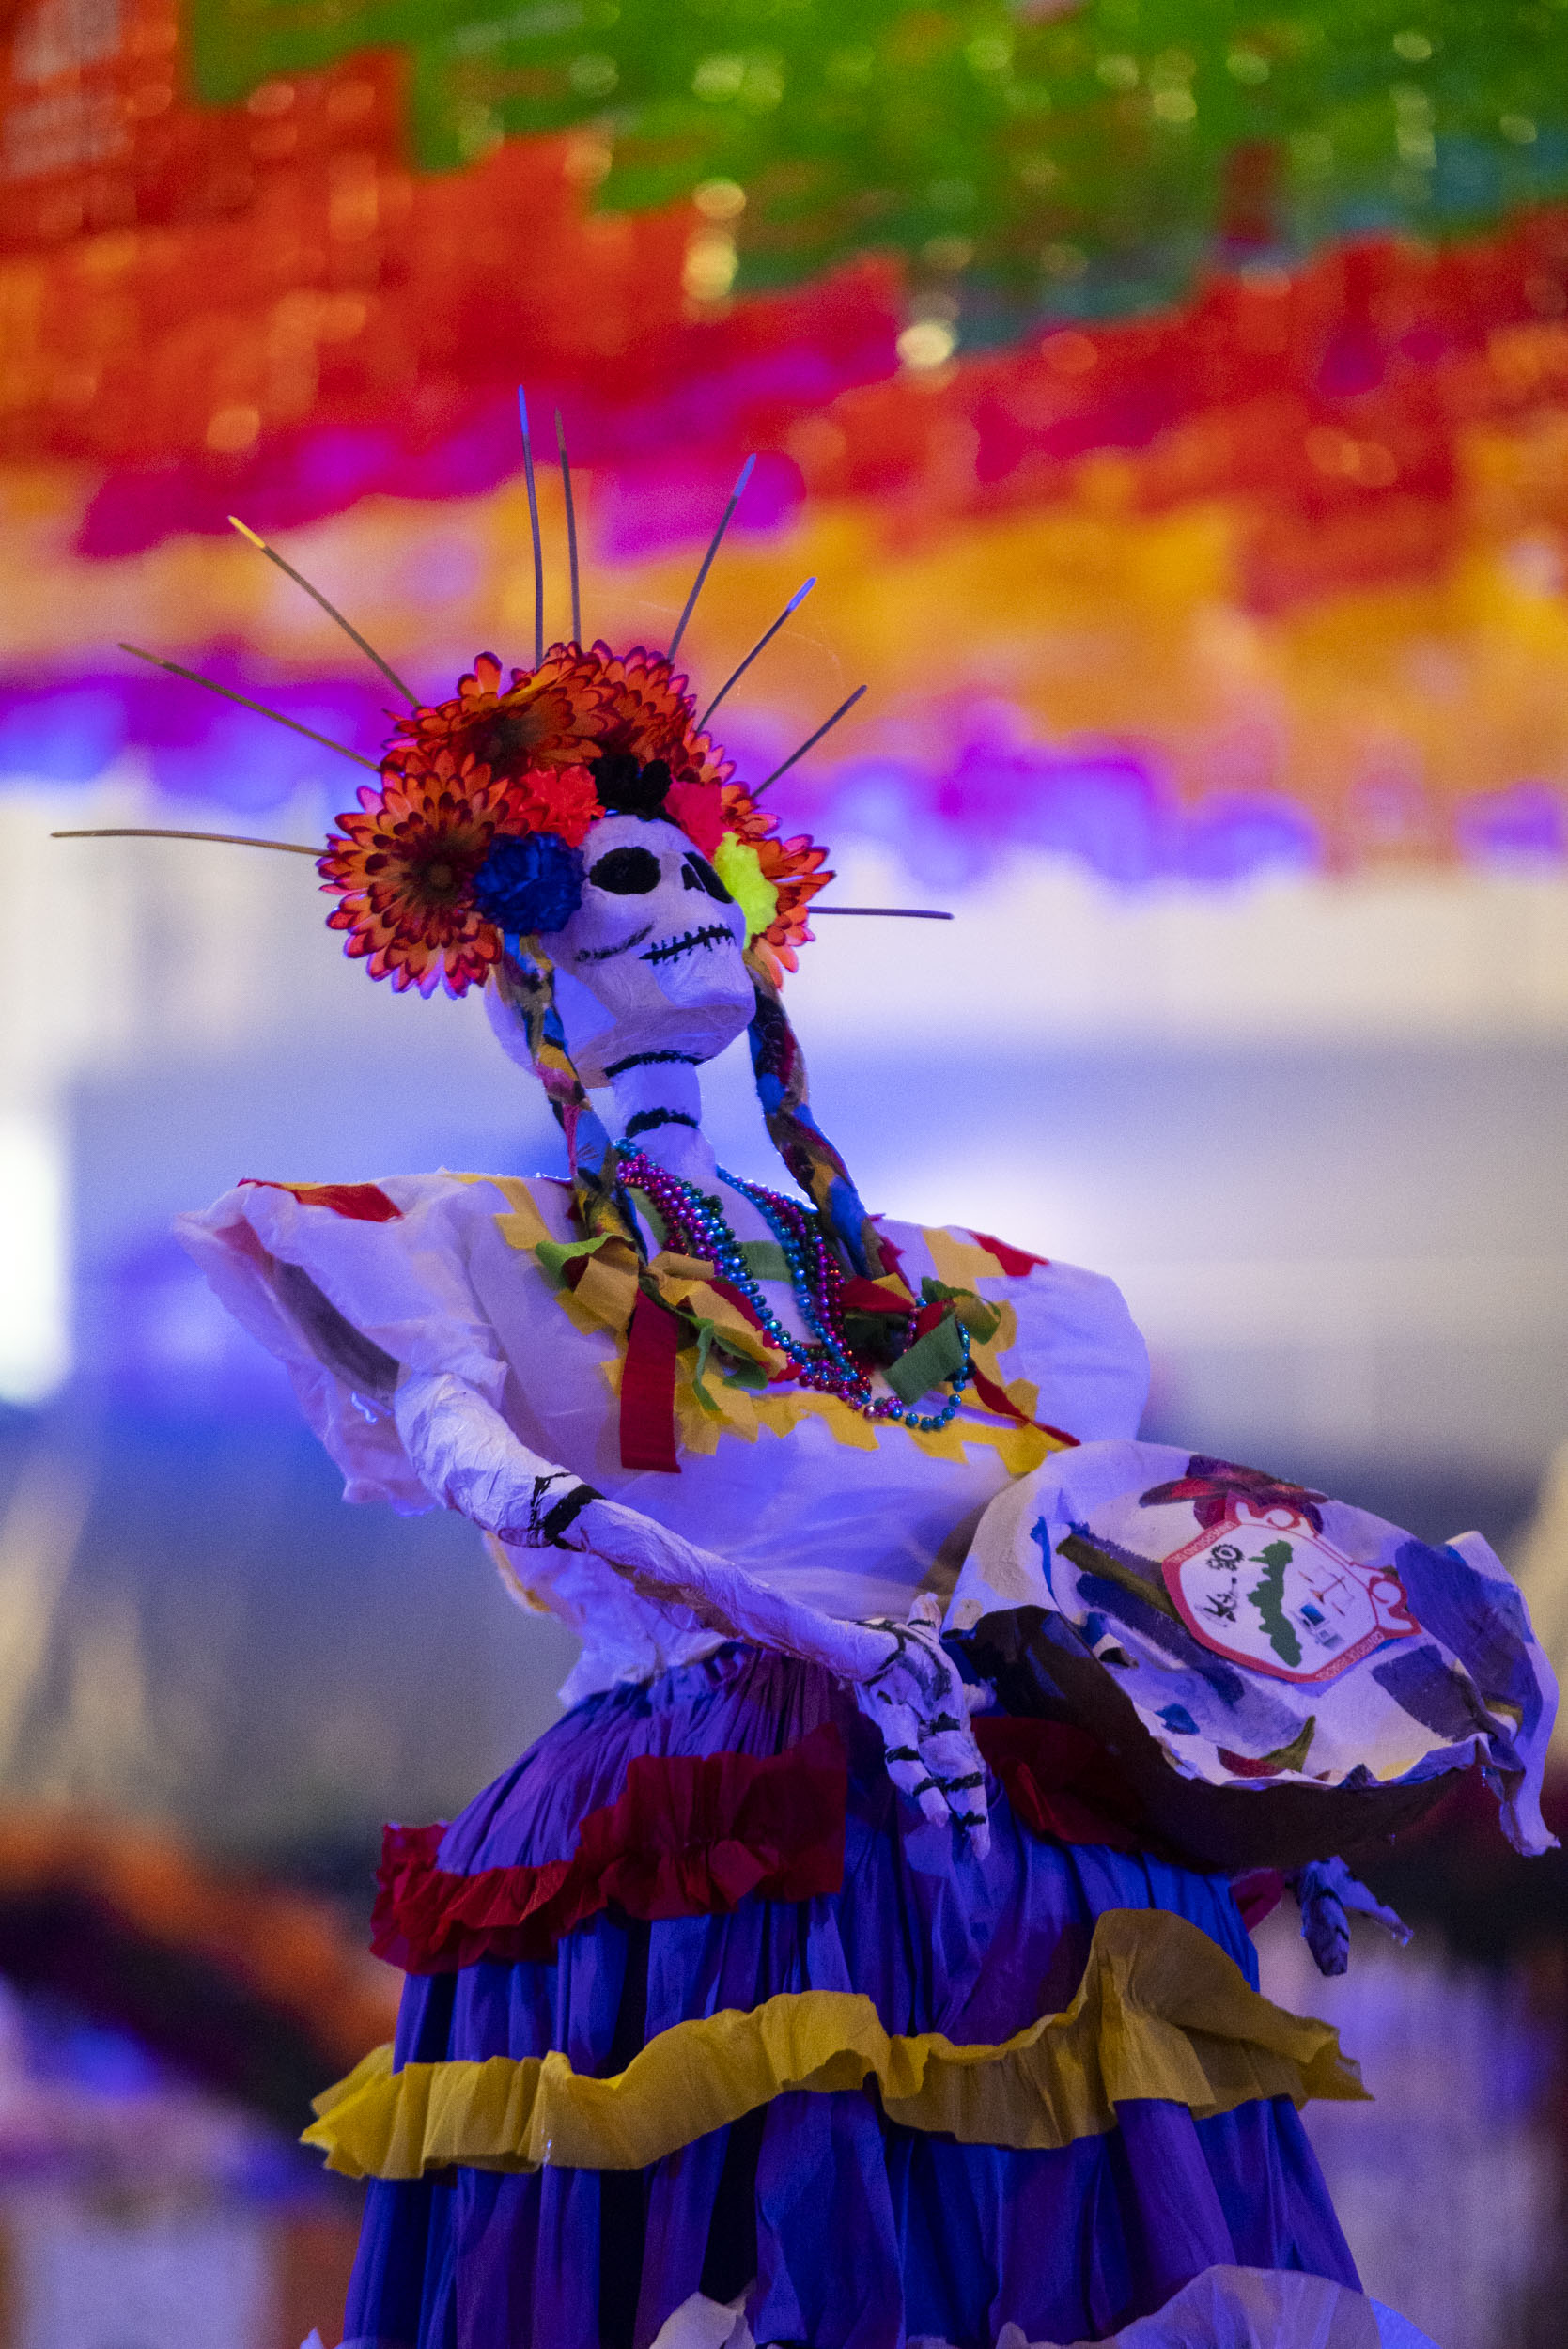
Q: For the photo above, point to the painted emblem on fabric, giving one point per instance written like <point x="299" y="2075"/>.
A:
<point x="1260" y="1584"/>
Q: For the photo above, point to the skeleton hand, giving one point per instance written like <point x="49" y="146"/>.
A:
<point x="903" y="1677"/>
<point x="1328" y="1895"/>
<point x="920" y="1702"/>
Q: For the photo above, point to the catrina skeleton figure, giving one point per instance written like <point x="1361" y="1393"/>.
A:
<point x="851" y="1965"/>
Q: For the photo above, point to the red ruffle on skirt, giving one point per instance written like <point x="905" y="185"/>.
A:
<point x="1061" y="1782"/>
<point x="690" y="1836"/>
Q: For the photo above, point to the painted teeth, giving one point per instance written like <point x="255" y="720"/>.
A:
<point x="715" y="934"/>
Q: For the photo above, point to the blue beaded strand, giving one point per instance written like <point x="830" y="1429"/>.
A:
<point x="825" y="1366"/>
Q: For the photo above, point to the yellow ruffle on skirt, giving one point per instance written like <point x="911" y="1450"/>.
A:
<point x="1161" y="2013"/>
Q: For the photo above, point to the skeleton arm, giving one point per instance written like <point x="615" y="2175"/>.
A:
<point x="466" y="1456"/>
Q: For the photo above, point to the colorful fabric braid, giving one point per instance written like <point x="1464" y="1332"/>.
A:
<point x="779" y="1067"/>
<point x="526" y="980"/>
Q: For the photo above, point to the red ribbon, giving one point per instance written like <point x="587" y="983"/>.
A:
<point x="1257" y="1894"/>
<point x="362" y="1203"/>
<point x="648" y="1388"/>
<point x="1015" y="1262"/>
<point x="867" y="1296"/>
<point x="1003" y="1407"/>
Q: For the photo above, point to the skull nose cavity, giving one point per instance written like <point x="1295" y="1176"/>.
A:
<point x="699" y="874"/>
<point x="626" y="872"/>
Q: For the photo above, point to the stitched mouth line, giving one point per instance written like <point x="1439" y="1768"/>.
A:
<point x="606" y="953"/>
<point x="716" y="933"/>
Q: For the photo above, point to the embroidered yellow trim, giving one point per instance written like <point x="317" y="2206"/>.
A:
<point x="1161" y="2013"/>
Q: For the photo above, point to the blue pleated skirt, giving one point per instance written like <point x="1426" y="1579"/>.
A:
<point x="853" y="2232"/>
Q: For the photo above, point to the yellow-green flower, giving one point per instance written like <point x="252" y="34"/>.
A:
<point x="739" y="867"/>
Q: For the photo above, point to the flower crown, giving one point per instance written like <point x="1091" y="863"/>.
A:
<point x="474" y="833"/>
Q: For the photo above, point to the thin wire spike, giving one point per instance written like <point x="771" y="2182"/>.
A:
<point x="192" y="677"/>
<point x="735" y="496"/>
<point x="227" y="839"/>
<point x="534" y="525"/>
<point x="810" y="742"/>
<point x="330" y="609"/>
<point x="571" y="531"/>
<point x="762" y="643"/>
<point x="297" y="847"/>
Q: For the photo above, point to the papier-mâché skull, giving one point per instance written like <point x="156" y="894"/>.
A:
<point x="658" y="941"/>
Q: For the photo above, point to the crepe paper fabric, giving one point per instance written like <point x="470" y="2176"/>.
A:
<point x="1270" y="1639"/>
<point x="1242" y="2308"/>
<point x="690" y="1836"/>
<point x="362" y="1203"/>
<point x="1253" y="2308"/>
<point x="929" y="2227"/>
<point x="655" y="1315"/>
<point x="1160" y="2012"/>
<point x="1176" y="406"/>
<point x="1063" y="1783"/>
<point x="1137" y="139"/>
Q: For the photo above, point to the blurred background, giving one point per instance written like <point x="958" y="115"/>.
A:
<point x="1170" y="398"/>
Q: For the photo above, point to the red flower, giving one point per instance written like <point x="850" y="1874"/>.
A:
<point x="458" y="773"/>
<point x="561" y="800"/>
<point x="1211" y="1485"/>
<point x="404" y="870"/>
<point x="698" y="808"/>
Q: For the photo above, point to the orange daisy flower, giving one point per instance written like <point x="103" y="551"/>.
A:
<point x="575" y="704"/>
<point x="546" y="719"/>
<point x="404" y="871"/>
<point x="743" y="817"/>
<point x="643" y="708"/>
<point x="795" y="868"/>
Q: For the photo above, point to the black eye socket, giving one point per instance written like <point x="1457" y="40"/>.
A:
<point x="626" y="872"/>
<point x="699" y="874"/>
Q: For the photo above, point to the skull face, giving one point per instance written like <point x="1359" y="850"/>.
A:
<point x="658" y="941"/>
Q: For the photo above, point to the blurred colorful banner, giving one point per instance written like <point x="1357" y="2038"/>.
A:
<point x="1172" y="399"/>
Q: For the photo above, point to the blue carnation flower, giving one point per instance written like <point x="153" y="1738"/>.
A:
<point x="529" y="881"/>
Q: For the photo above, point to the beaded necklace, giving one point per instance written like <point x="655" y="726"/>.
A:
<point x="695" y="1224"/>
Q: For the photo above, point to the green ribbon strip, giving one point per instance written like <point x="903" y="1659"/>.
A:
<point x="555" y="1254"/>
<point x="929" y="1363"/>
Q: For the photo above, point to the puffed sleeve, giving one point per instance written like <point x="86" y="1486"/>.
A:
<point x="1080" y="1345"/>
<point x="349" y="1284"/>
<point x="1066" y="1353"/>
